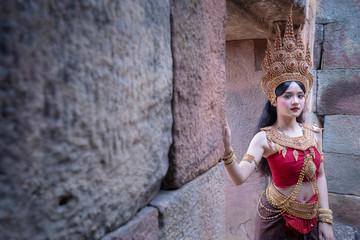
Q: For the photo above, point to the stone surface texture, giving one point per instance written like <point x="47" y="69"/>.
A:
<point x="194" y="211"/>
<point x="341" y="171"/>
<point x="342" y="134"/>
<point x="344" y="232"/>
<point x="338" y="101"/>
<point x="143" y="226"/>
<point x="86" y="118"/>
<point x="198" y="47"/>
<point x="253" y="19"/>
<point x="338" y="92"/>
<point x="345" y="208"/>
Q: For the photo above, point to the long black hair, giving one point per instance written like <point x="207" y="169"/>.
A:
<point x="269" y="117"/>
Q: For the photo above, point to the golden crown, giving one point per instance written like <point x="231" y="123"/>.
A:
<point x="286" y="61"/>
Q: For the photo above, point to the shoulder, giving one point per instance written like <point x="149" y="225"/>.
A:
<point x="317" y="131"/>
<point x="260" y="138"/>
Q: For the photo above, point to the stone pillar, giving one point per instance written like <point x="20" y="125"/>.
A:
<point x="338" y="101"/>
<point x="198" y="45"/>
<point x="85" y="93"/>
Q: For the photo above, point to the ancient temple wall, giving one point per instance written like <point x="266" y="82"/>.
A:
<point x="94" y="97"/>
<point x="85" y="91"/>
<point x="338" y="100"/>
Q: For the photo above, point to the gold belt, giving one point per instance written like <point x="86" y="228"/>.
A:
<point x="285" y="204"/>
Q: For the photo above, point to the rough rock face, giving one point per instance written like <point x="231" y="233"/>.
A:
<point x="144" y="225"/>
<point x="341" y="42"/>
<point x="198" y="47"/>
<point x="85" y="96"/>
<point x="338" y="92"/>
<point x="194" y="211"/>
<point x="338" y="100"/>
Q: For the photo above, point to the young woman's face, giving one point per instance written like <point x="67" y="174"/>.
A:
<point x="291" y="102"/>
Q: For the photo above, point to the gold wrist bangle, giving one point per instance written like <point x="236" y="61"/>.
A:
<point x="324" y="211"/>
<point x="325" y="216"/>
<point x="231" y="161"/>
<point x="324" y="220"/>
<point x="230" y="155"/>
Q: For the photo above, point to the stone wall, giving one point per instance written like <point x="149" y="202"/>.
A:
<point x="244" y="104"/>
<point x="85" y="92"/>
<point x="338" y="101"/>
<point x="87" y="119"/>
<point x="198" y="44"/>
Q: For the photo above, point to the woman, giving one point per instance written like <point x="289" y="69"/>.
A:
<point x="295" y="204"/>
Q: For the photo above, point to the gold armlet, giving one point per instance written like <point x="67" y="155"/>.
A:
<point x="249" y="158"/>
<point x="322" y="157"/>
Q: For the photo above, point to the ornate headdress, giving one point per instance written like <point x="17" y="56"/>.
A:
<point x="286" y="61"/>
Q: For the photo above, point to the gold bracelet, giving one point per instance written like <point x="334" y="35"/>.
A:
<point x="325" y="216"/>
<point x="230" y="155"/>
<point x="325" y="211"/>
<point x="325" y="220"/>
<point x="231" y="161"/>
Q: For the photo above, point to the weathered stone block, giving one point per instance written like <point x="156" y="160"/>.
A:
<point x="85" y="114"/>
<point x="143" y="226"/>
<point x="345" y="209"/>
<point x="194" y="211"/>
<point x="338" y="92"/>
<point x="241" y="202"/>
<point x="336" y="11"/>
<point x="342" y="134"/>
<point x="341" y="45"/>
<point x="341" y="170"/>
<point x="198" y="44"/>
<point x="344" y="232"/>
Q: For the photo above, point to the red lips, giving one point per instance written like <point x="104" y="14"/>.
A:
<point x="295" y="109"/>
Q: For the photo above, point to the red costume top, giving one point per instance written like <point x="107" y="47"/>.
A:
<point x="285" y="170"/>
<point x="297" y="160"/>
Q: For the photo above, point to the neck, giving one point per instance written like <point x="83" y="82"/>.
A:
<point x="287" y="123"/>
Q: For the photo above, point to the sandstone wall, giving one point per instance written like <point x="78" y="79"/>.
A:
<point x="85" y="94"/>
<point x="338" y="101"/>
<point x="198" y="45"/>
<point x="244" y="105"/>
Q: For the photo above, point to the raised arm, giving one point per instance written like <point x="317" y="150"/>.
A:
<point x="239" y="172"/>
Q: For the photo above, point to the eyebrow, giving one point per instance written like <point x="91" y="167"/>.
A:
<point x="292" y="92"/>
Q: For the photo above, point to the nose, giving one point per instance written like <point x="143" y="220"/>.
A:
<point x="295" y="101"/>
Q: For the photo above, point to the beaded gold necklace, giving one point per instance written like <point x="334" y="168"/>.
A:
<point x="282" y="141"/>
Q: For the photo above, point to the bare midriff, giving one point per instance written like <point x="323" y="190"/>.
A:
<point x="305" y="193"/>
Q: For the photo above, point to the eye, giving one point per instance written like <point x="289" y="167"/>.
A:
<point x="301" y="96"/>
<point x="287" y="96"/>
